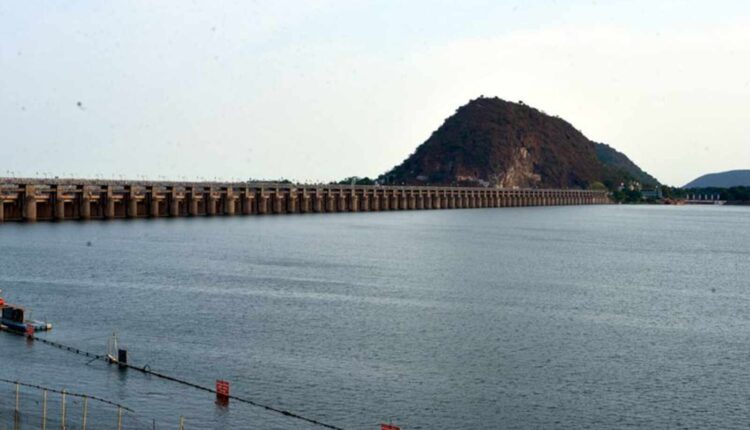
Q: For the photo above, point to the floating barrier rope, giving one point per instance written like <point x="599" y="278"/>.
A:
<point x="147" y="370"/>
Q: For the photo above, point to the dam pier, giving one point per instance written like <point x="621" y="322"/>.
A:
<point x="58" y="200"/>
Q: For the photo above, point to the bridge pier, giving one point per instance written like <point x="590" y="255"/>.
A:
<point x="292" y="202"/>
<point x="278" y="203"/>
<point x="132" y="201"/>
<point x="248" y="202"/>
<point x="59" y="204"/>
<point x="132" y="207"/>
<point x="393" y="201"/>
<point x="304" y="206"/>
<point x="109" y="203"/>
<point x="319" y="206"/>
<point x="193" y="201"/>
<point x="154" y="208"/>
<point x="174" y="206"/>
<point x="29" y="204"/>
<point x="229" y="204"/>
<point x="85" y="206"/>
<point x="173" y="197"/>
<point x="263" y="203"/>
<point x="330" y="205"/>
<point x="62" y="200"/>
<point x="353" y="201"/>
<point x="403" y="200"/>
<point x="211" y="202"/>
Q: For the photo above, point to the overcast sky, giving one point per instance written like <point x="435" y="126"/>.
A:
<point x="321" y="90"/>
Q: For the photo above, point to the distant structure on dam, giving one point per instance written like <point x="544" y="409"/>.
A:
<point x="47" y="200"/>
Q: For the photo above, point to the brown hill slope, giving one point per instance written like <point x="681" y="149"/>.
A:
<point x="492" y="142"/>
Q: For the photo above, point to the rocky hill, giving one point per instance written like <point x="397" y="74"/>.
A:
<point x="732" y="178"/>
<point x="492" y="142"/>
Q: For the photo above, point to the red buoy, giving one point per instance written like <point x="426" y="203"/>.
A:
<point x="222" y="391"/>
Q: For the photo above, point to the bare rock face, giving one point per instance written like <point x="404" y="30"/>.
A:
<point x="495" y="143"/>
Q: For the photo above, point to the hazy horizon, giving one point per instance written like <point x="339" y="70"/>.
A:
<point x="324" y="90"/>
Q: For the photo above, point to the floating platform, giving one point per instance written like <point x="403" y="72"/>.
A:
<point x="13" y="319"/>
<point x="23" y="327"/>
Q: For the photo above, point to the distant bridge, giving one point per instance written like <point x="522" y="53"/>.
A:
<point x="69" y="199"/>
<point x="704" y="199"/>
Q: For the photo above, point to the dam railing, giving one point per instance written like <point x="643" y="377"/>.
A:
<point x="31" y="406"/>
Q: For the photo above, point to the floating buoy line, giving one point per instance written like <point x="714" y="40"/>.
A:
<point x="121" y="361"/>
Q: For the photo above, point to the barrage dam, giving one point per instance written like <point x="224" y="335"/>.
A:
<point x="66" y="199"/>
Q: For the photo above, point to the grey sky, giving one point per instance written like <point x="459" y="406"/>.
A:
<point x="322" y="90"/>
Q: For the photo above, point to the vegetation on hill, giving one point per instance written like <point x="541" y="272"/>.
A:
<point x="495" y="143"/>
<point x="618" y="168"/>
<point x="355" y="180"/>
<point x="732" y="178"/>
<point x="731" y="194"/>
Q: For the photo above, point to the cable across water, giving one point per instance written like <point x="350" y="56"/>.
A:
<point x="147" y="370"/>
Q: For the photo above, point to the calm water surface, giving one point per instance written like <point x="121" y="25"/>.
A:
<point x="574" y="317"/>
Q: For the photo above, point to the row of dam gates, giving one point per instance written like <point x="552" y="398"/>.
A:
<point x="37" y="200"/>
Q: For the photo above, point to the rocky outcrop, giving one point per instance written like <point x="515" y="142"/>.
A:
<point x="495" y="143"/>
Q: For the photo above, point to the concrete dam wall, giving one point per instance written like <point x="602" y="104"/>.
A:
<point x="47" y="200"/>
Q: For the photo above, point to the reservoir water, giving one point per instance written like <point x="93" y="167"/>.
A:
<point x="556" y="317"/>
